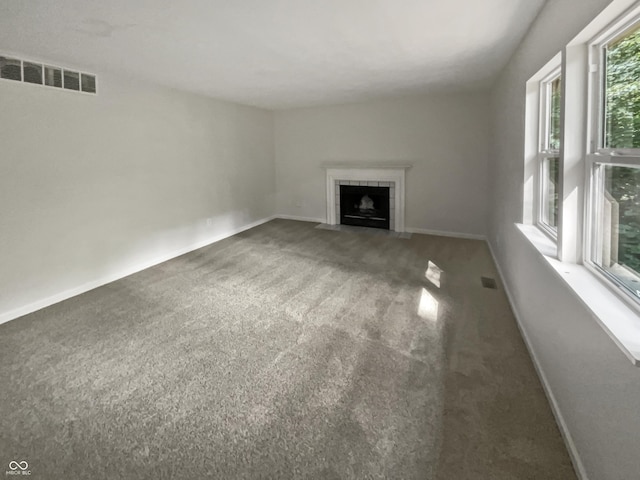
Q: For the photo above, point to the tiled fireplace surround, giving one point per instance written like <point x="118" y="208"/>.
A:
<point x="392" y="176"/>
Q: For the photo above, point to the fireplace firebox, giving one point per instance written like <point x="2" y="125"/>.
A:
<point x="364" y="206"/>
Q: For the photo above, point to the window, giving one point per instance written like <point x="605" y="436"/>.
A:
<point x="549" y="153"/>
<point x="88" y="83"/>
<point x="621" y="112"/>
<point x="71" y="80"/>
<point x="582" y="169"/>
<point x="614" y="161"/>
<point x="53" y="76"/>
<point x="10" y="68"/>
<point x="32" y="72"/>
<point x="39" y="74"/>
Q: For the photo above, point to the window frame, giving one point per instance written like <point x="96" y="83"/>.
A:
<point x="599" y="156"/>
<point x="44" y="65"/>
<point x="616" y="311"/>
<point x="544" y="152"/>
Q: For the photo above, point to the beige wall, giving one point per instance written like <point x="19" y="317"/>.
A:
<point x="445" y="137"/>
<point x="92" y="187"/>
<point x="595" y="387"/>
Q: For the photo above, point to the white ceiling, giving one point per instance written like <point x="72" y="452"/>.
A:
<point x="276" y="53"/>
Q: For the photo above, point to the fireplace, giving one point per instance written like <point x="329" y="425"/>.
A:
<point x="390" y="176"/>
<point x="364" y="206"/>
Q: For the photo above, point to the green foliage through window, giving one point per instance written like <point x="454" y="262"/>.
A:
<point x="622" y="92"/>
<point x="553" y="142"/>
<point x="623" y="185"/>
<point x="550" y="184"/>
<point x="622" y="130"/>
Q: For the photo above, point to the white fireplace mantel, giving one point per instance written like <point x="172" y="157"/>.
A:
<point x="375" y="173"/>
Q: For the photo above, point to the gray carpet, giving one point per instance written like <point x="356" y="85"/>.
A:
<point x="368" y="230"/>
<point x="282" y="352"/>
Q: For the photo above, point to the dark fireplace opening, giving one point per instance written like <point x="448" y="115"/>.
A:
<point x="364" y="206"/>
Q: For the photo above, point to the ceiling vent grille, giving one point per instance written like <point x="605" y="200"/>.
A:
<point x="12" y="68"/>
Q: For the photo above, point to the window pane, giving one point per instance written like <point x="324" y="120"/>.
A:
<point x="88" y="83"/>
<point x="622" y="92"/>
<point x="550" y="182"/>
<point x="10" y="68"/>
<point x="618" y="250"/>
<point x="71" y="80"/>
<point x="553" y="139"/>
<point x="32" y="72"/>
<point x="53" y="76"/>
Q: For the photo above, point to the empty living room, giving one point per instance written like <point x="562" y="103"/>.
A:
<point x="287" y="239"/>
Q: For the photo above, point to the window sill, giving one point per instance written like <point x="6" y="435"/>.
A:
<point x="618" y="319"/>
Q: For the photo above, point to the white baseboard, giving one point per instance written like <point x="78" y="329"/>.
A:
<point x="59" y="297"/>
<point x="301" y="219"/>
<point x="424" y="231"/>
<point x="564" y="430"/>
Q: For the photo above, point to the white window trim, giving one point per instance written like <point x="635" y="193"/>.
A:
<point x="608" y="280"/>
<point x="569" y="256"/>
<point x="596" y="91"/>
<point x="615" y="316"/>
<point x="599" y="155"/>
<point x="535" y="148"/>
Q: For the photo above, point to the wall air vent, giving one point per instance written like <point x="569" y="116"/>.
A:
<point x="12" y="68"/>
<point x="488" y="282"/>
